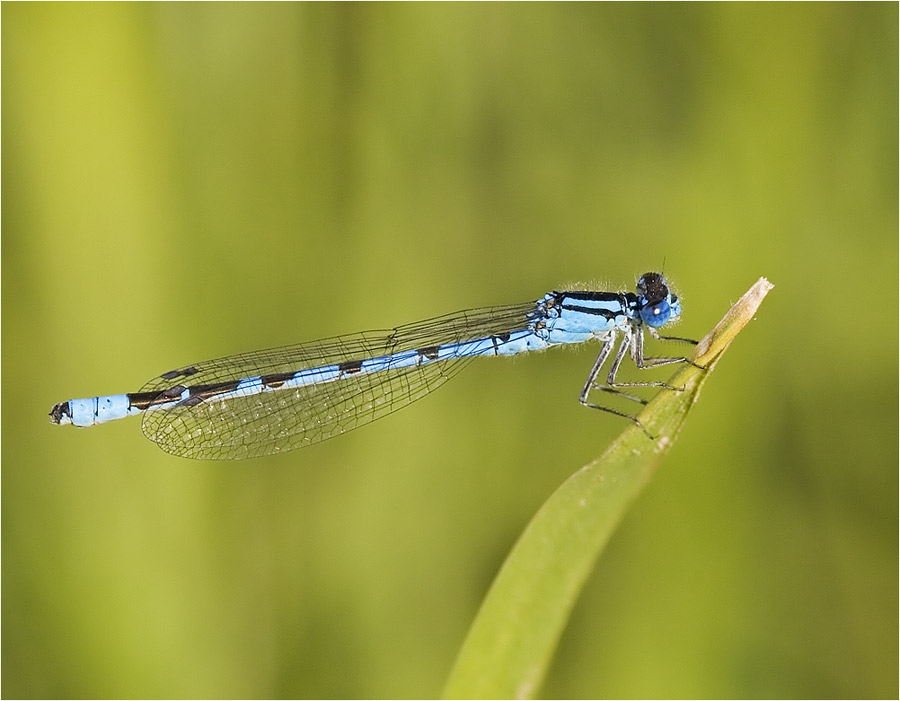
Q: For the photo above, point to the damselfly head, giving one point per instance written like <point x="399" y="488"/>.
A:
<point x="657" y="304"/>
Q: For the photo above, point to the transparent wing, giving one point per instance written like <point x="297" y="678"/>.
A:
<point x="282" y="420"/>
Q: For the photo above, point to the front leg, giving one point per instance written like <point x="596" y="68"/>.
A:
<point x="678" y="339"/>
<point x="653" y="362"/>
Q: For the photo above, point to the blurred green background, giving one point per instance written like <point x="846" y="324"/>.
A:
<point x="182" y="182"/>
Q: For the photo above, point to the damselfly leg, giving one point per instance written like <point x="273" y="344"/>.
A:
<point x="633" y="345"/>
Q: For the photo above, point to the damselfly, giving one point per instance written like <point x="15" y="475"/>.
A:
<point x="276" y="400"/>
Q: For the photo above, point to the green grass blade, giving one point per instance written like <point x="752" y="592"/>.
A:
<point x="511" y="643"/>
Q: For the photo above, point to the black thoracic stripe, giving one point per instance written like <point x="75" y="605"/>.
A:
<point x="605" y="313"/>
<point x="431" y="352"/>
<point x="593" y="296"/>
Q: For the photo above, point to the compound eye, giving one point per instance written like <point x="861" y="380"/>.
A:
<point x="656" y="315"/>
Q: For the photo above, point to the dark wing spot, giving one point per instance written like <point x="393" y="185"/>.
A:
<point x="183" y="372"/>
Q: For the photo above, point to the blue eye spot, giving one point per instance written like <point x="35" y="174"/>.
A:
<point x="656" y="315"/>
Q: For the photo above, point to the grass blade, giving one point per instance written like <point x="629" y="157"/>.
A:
<point x="511" y="643"/>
